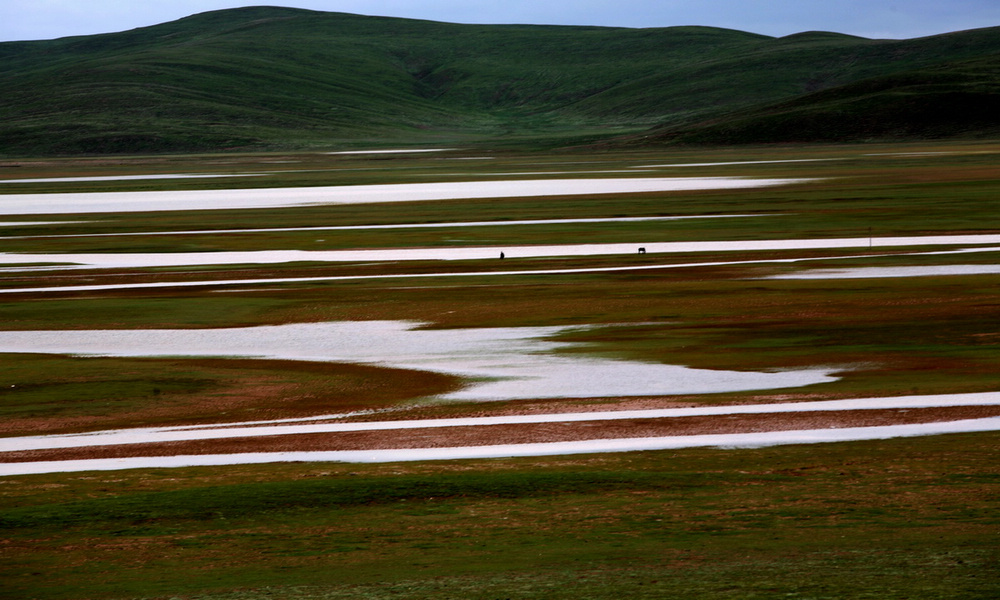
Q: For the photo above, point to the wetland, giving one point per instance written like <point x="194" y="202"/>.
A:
<point x="654" y="424"/>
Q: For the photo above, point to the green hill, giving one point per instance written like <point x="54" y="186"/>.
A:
<point x="948" y="101"/>
<point x="280" y="78"/>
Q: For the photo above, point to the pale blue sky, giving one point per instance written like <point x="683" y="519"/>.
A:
<point x="47" y="19"/>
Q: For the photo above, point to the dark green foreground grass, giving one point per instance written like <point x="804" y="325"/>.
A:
<point x="908" y="518"/>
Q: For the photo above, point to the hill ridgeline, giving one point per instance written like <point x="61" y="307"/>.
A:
<point x="266" y="78"/>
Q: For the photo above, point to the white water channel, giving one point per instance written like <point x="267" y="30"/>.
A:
<point x="179" y="259"/>
<point x="502" y="363"/>
<point x="117" y="202"/>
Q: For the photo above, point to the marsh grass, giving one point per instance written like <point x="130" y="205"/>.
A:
<point x="47" y="394"/>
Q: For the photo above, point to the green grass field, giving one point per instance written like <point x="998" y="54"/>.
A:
<point x="904" y="518"/>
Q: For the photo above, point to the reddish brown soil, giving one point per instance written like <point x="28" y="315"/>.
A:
<point x="519" y="434"/>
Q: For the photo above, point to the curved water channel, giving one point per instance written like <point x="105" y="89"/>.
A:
<point x="503" y="363"/>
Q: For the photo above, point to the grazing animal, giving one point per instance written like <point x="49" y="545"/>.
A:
<point x="642" y="250"/>
<point x="501" y="255"/>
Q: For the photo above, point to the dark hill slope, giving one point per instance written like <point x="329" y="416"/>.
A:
<point x="266" y="77"/>
<point x="785" y="69"/>
<point x="950" y="100"/>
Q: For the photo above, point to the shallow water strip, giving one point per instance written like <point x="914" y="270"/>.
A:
<point x="738" y="440"/>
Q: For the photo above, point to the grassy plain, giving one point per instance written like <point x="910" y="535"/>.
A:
<point x="912" y="518"/>
<point x="909" y="518"/>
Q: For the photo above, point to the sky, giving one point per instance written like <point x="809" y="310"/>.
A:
<point x="893" y="19"/>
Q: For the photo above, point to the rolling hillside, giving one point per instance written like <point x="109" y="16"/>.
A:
<point x="279" y="78"/>
<point x="950" y="100"/>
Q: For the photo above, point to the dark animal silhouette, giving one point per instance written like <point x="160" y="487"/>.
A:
<point x="642" y="250"/>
